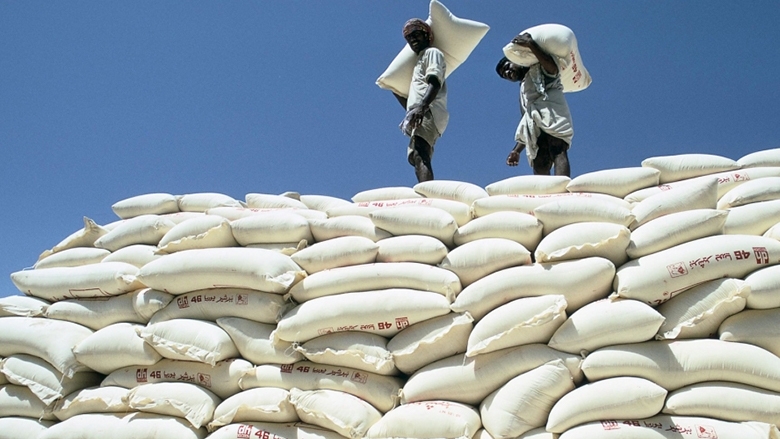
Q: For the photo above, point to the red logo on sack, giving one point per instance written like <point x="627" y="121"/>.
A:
<point x="762" y="255"/>
<point x="677" y="270"/>
<point x="706" y="432"/>
<point x="182" y="302"/>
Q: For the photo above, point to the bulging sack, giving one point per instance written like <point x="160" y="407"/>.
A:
<point x="559" y="42"/>
<point x="455" y="37"/>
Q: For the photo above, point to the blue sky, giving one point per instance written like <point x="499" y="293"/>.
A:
<point x="101" y="101"/>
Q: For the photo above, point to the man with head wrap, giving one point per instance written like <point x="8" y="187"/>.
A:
<point x="426" y="106"/>
<point x="545" y="130"/>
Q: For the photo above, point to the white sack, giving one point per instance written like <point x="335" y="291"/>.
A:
<point x="99" y="312"/>
<point x="73" y="257"/>
<point x="385" y="193"/>
<point x="430" y="340"/>
<point x="146" y="204"/>
<point x="428" y="221"/>
<point x="527" y="203"/>
<point x="658" y="277"/>
<point x="233" y="213"/>
<point x="428" y="420"/>
<point x="461" y="212"/>
<point x="45" y="382"/>
<point x="255" y="343"/>
<point x="584" y="240"/>
<point x="699" y="195"/>
<point x="470" y="380"/>
<point x="766" y="157"/>
<point x="94" y="280"/>
<point x="123" y="426"/>
<point x="341" y="412"/>
<point x="189" y="339"/>
<point x="138" y="255"/>
<point x="522" y="321"/>
<point x="144" y="229"/>
<point x="114" y="347"/>
<point x="683" y="166"/>
<point x="262" y="404"/>
<point x="559" y="42"/>
<point x="378" y="390"/>
<point x="763" y="189"/>
<point x="524" y="402"/>
<point x="411" y="248"/>
<point x="191" y="270"/>
<point x="699" y="311"/>
<point x="580" y="281"/>
<point x="377" y="276"/>
<point x="522" y="228"/>
<point x="206" y="231"/>
<point x="759" y="327"/>
<point x="183" y="400"/>
<point x="271" y="228"/>
<point x="22" y="306"/>
<point x="85" y="237"/>
<point x="214" y="303"/>
<point x="621" y="397"/>
<point x="336" y="252"/>
<point x="476" y="259"/>
<point x="529" y="185"/>
<point x="107" y="399"/>
<point x="20" y="401"/>
<point x="726" y="401"/>
<point x="455" y="37"/>
<point x="19" y="427"/>
<point x="24" y="335"/>
<point x="670" y="427"/>
<point x="346" y="225"/>
<point x="451" y="190"/>
<point x="764" y="288"/>
<point x="675" y="228"/>
<point x="381" y="312"/>
<point x="203" y="201"/>
<point x="606" y="322"/>
<point x="727" y="181"/>
<point x="559" y="213"/>
<point x="222" y="379"/>
<point x="674" y="364"/>
<point x="752" y="219"/>
<point x="354" y="349"/>
<point x="273" y="430"/>
<point x="270" y="201"/>
<point x="322" y="202"/>
<point x="617" y="182"/>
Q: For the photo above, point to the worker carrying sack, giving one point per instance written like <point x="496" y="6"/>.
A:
<point x="558" y="41"/>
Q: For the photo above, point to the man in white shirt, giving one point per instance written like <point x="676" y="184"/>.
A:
<point x="426" y="106"/>
<point x="545" y="130"/>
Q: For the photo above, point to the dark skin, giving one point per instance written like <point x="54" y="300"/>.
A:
<point x="419" y="41"/>
<point x="515" y="73"/>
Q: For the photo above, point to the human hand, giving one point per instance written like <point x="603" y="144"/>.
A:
<point x="523" y="40"/>
<point x="414" y="117"/>
<point x="513" y="159"/>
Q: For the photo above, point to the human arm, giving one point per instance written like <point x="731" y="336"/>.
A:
<point x="514" y="156"/>
<point x="547" y="62"/>
<point x="415" y="115"/>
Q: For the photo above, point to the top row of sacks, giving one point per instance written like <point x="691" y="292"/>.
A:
<point x="632" y="183"/>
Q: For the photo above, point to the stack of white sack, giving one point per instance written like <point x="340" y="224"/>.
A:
<point x="633" y="302"/>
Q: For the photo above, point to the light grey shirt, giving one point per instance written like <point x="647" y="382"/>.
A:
<point x="430" y="63"/>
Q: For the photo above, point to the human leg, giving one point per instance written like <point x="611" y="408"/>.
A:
<point x="420" y="157"/>
<point x="552" y="152"/>
<point x="561" y="163"/>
